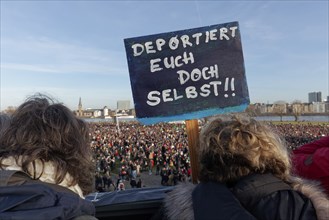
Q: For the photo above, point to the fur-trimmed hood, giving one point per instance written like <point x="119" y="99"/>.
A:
<point x="313" y="191"/>
<point x="179" y="205"/>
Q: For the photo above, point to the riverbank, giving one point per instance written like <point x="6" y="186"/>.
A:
<point x="291" y="119"/>
<point x="271" y="118"/>
<point x="300" y="123"/>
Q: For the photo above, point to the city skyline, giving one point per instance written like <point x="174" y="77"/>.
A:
<point x="132" y="107"/>
<point x="81" y="52"/>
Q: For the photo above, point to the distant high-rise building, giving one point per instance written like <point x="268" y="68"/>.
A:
<point x="123" y="105"/>
<point x="314" y="97"/>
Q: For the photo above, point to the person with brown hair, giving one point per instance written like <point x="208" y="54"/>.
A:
<point x="243" y="159"/>
<point x="49" y="146"/>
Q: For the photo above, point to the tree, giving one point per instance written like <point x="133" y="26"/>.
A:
<point x="297" y="109"/>
<point x="280" y="108"/>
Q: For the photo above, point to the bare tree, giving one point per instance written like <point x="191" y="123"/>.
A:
<point x="280" y="108"/>
<point x="297" y="109"/>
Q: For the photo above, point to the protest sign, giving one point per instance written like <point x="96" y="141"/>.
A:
<point x="187" y="74"/>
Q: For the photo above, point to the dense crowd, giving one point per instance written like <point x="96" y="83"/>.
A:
<point x="162" y="149"/>
<point x="47" y="151"/>
<point x="298" y="134"/>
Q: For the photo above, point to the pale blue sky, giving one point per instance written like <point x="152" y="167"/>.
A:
<point x="72" y="49"/>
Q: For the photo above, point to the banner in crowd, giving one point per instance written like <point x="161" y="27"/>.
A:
<point x="187" y="74"/>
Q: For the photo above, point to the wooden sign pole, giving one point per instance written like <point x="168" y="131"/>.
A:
<point x="192" y="129"/>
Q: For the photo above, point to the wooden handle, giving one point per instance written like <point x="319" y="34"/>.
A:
<point x="192" y="129"/>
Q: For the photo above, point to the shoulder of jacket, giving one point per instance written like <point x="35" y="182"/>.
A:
<point x="313" y="190"/>
<point x="256" y="186"/>
<point x="178" y="203"/>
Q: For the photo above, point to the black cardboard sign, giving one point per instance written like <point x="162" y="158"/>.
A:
<point x="187" y="74"/>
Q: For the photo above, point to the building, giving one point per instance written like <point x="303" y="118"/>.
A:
<point x="326" y="107"/>
<point x="279" y="107"/>
<point x="307" y="108"/>
<point x="105" y="111"/>
<point x="92" y="113"/>
<point x="80" y="112"/>
<point x="123" y="105"/>
<point x="314" y="97"/>
<point x="318" y="107"/>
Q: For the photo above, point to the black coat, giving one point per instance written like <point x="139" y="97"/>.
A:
<point x="215" y="201"/>
<point x="262" y="197"/>
<point x="205" y="201"/>
<point x="269" y="198"/>
<point x="24" y="198"/>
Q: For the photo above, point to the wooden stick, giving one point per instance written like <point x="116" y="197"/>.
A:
<point x="192" y="129"/>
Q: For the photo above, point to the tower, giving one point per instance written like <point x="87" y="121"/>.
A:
<point x="80" y="108"/>
<point x="314" y="97"/>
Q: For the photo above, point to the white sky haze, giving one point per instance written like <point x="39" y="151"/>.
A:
<point x="72" y="49"/>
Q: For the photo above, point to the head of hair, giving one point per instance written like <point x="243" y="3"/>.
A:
<point x="44" y="130"/>
<point x="234" y="146"/>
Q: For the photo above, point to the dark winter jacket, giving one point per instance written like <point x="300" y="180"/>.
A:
<point x="262" y="196"/>
<point x="204" y="201"/>
<point x="24" y="198"/>
<point x="267" y="197"/>
<point x="215" y="201"/>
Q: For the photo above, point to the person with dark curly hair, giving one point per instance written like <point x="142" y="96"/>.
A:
<point x="245" y="170"/>
<point x="49" y="147"/>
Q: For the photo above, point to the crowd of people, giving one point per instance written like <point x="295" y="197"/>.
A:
<point x="48" y="154"/>
<point x="298" y="134"/>
<point x="162" y="149"/>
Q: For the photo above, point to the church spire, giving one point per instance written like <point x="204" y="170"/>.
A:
<point x="80" y="107"/>
<point x="80" y="104"/>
